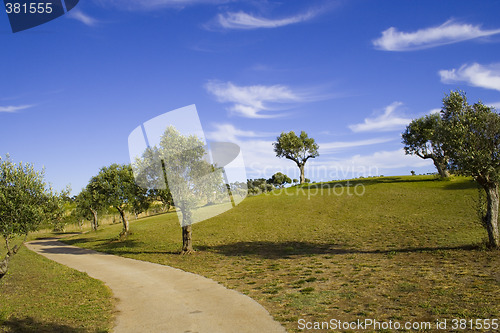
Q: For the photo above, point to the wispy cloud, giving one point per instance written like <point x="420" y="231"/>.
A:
<point x="388" y="121"/>
<point x="447" y="33"/>
<point x="228" y="132"/>
<point x="82" y="17"/>
<point x="154" y="4"/>
<point x="252" y="101"/>
<point x="328" y="147"/>
<point x="495" y="105"/>
<point x="242" y="20"/>
<point x="12" y="108"/>
<point x="475" y="75"/>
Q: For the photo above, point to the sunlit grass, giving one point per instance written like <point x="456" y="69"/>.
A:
<point x="39" y="295"/>
<point x="408" y="249"/>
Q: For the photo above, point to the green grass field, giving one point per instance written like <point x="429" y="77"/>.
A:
<point x="408" y="249"/>
<point x="39" y="295"/>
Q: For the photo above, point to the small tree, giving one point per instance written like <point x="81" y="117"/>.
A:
<point x="472" y="135"/>
<point x="423" y="137"/>
<point x="296" y="148"/>
<point x="116" y="186"/>
<point x="24" y="204"/>
<point x="279" y="179"/>
<point x="89" y="203"/>
<point x="177" y="169"/>
<point x="59" y="207"/>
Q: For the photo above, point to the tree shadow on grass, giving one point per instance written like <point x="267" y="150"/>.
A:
<point x="29" y="325"/>
<point x="284" y="250"/>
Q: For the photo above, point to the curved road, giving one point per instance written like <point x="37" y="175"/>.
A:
<point x="157" y="298"/>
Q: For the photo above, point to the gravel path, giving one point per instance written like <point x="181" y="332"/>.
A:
<point x="157" y="298"/>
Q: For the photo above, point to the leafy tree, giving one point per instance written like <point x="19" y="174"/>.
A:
<point x="296" y="148"/>
<point x="141" y="201"/>
<point x="24" y="204"/>
<point x="472" y="142"/>
<point x="295" y="181"/>
<point x="115" y="185"/>
<point x="258" y="186"/>
<point x="176" y="168"/>
<point x="423" y="138"/>
<point x="89" y="204"/>
<point x="58" y="209"/>
<point x="279" y="179"/>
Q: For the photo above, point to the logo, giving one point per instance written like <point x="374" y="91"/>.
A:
<point x="170" y="153"/>
<point x="26" y="14"/>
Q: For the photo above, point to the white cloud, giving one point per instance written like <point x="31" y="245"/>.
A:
<point x="447" y="33"/>
<point x="388" y="121"/>
<point x="242" y="20"/>
<point x="495" y="105"/>
<point x="82" y="17"/>
<point x="475" y="75"/>
<point x="12" y="109"/>
<point x="228" y="132"/>
<point x="251" y="101"/>
<point x="154" y="4"/>
<point x="328" y="147"/>
<point x="433" y="111"/>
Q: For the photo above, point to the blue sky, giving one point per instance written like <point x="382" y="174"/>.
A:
<point x="351" y="74"/>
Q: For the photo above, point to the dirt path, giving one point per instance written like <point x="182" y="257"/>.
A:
<point x="157" y="298"/>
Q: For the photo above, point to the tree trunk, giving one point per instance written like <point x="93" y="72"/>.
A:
<point x="187" y="240"/>
<point x="441" y="168"/>
<point x="302" y="178"/>
<point x="4" y="266"/>
<point x="491" y="218"/>
<point x="125" y="230"/>
<point x="95" y="223"/>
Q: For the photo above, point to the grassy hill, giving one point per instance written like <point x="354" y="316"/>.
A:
<point x="408" y="249"/>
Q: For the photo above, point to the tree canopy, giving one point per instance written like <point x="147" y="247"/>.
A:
<point x="296" y="148"/>
<point x="472" y="142"/>
<point x="423" y="137"/>
<point x="114" y="186"/>
<point x="25" y="202"/>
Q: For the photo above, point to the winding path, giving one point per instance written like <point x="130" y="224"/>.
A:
<point x="156" y="298"/>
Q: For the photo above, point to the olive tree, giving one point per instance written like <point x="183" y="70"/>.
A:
<point x="89" y="204"/>
<point x="177" y="168"/>
<point x="279" y="179"/>
<point x="24" y="204"/>
<point x="296" y="148"/>
<point x="423" y="138"/>
<point x="115" y="185"/>
<point x="472" y="142"/>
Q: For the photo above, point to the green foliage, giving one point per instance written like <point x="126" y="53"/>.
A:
<point x="258" y="186"/>
<point x="296" y="148"/>
<point x="279" y="179"/>
<point x="59" y="208"/>
<point x="114" y="185"/>
<point x="24" y="198"/>
<point x="473" y="137"/>
<point x="25" y="202"/>
<point x="424" y="137"/>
